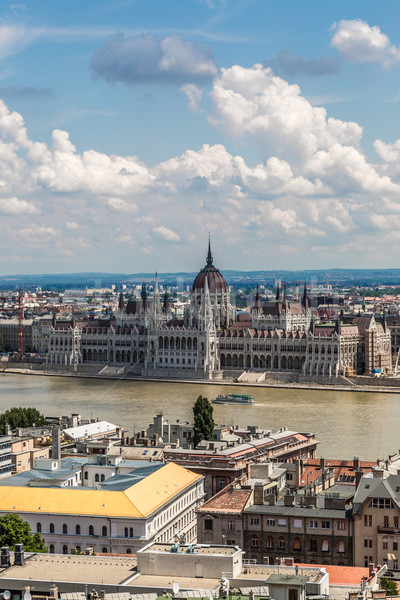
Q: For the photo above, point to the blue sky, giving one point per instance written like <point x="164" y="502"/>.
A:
<point x="129" y="130"/>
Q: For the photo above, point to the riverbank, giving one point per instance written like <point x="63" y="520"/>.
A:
<point x="226" y="383"/>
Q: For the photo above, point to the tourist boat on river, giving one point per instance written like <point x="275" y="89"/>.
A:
<point x="233" y="399"/>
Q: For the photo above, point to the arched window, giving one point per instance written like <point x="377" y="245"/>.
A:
<point x="104" y="531"/>
<point x="51" y="549"/>
<point x="126" y="532"/>
<point x="86" y="475"/>
<point x="341" y="547"/>
<point x="96" y="477"/>
<point x="65" y="549"/>
<point x="102" y="478"/>
<point x="131" y="532"/>
<point x="297" y="544"/>
<point x="39" y="527"/>
<point x="91" y="530"/>
<point x="128" y="551"/>
<point x="313" y="545"/>
<point x="104" y="550"/>
<point x="270" y="541"/>
<point x="325" y="546"/>
<point x="78" y="530"/>
<point x="51" y="528"/>
<point x="65" y="528"/>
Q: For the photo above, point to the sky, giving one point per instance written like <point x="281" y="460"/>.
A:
<point x="131" y="130"/>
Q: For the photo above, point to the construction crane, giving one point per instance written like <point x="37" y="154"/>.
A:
<point x="20" y="327"/>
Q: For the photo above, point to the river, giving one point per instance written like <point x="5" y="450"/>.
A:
<point x="347" y="424"/>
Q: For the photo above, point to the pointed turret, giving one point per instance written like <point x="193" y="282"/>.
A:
<point x="121" y="303"/>
<point x="305" y="302"/>
<point x="278" y="292"/>
<point x="166" y="306"/>
<point x="337" y="324"/>
<point x="257" y="300"/>
<point x="143" y="294"/>
<point x="285" y="303"/>
<point x="363" y="303"/>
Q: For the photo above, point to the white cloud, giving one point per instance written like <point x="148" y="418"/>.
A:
<point x="15" y="206"/>
<point x="14" y="39"/>
<point x="194" y="95"/>
<point x="35" y="234"/>
<point x="72" y="226"/>
<point x="166" y="234"/>
<point x="358" y="42"/>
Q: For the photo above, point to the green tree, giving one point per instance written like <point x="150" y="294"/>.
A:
<point x="21" y="417"/>
<point x="14" y="530"/>
<point x="203" y="420"/>
<point x="389" y="586"/>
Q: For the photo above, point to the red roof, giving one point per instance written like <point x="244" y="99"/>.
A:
<point x="343" y="575"/>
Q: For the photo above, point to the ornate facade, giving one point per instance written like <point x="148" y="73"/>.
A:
<point x="211" y="341"/>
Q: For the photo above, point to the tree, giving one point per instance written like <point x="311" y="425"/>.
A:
<point x="203" y="420"/>
<point x="389" y="586"/>
<point x="14" y="530"/>
<point x="21" y="417"/>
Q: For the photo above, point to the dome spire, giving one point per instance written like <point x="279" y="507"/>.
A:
<point x="209" y="255"/>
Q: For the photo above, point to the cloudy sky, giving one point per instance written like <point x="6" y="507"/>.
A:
<point x="131" y="129"/>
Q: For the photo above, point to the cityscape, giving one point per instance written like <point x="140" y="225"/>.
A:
<point x="199" y="300"/>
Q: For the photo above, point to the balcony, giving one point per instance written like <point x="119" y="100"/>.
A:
<point x="388" y="530"/>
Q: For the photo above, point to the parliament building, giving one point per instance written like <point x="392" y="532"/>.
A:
<point x="214" y="341"/>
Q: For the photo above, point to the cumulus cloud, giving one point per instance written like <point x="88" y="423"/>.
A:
<point x="145" y="58"/>
<point x="166" y="234"/>
<point x="287" y="63"/>
<point x="35" y="234"/>
<point x="254" y="104"/>
<point x="15" y="206"/>
<point x="358" y="42"/>
<point x="194" y="95"/>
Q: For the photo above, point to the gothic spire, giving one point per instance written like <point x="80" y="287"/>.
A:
<point x="278" y="292"/>
<point x="209" y="255"/>
<point x="257" y="301"/>
<point x="166" y="305"/>
<point x="121" y="303"/>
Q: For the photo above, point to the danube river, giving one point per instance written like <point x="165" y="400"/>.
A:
<point x="347" y="424"/>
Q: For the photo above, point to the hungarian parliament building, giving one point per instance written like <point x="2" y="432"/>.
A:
<point x="214" y="341"/>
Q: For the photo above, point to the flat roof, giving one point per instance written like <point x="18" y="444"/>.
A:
<point x="205" y="549"/>
<point x="71" y="568"/>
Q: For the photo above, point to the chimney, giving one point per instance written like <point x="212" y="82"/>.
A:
<point x="371" y="568"/>
<point x="8" y="429"/>
<point x="359" y="475"/>
<point x="54" y="592"/>
<point x="356" y="463"/>
<point x="258" y="493"/>
<point x="271" y="499"/>
<point x="322" y="463"/>
<point x="19" y="557"/>
<point x="56" y="444"/>
<point x="5" y="557"/>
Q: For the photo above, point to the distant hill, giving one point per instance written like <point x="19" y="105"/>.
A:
<point x="351" y="277"/>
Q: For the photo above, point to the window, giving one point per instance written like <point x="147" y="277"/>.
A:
<point x="270" y="522"/>
<point x="386" y="521"/>
<point x="104" y="531"/>
<point x="65" y="528"/>
<point x="395" y="564"/>
<point x="297" y="544"/>
<point x="270" y="542"/>
<point x="126" y="532"/>
<point x="281" y="522"/>
<point x="385" y="543"/>
<point x="395" y="545"/>
<point x="96" y="477"/>
<point x="51" y="528"/>
<point x="39" y="527"/>
<point x="325" y="546"/>
<point x="51" y="549"/>
<point x="367" y="542"/>
<point x="367" y="520"/>
<point x="130" y="531"/>
<point x="341" y="547"/>
<point x="254" y="521"/>
<point x="102" y="478"/>
<point x="289" y="476"/>
<point x="254" y="542"/>
<point x="128" y="551"/>
<point x="104" y="550"/>
<point x="86" y="475"/>
<point x="65" y="549"/>
<point x="221" y="484"/>
<point x="325" y="524"/>
<point x="313" y="524"/>
<point x="298" y="523"/>
<point x="381" y="503"/>
<point x="78" y="530"/>
<point x="281" y="543"/>
<point x="208" y="524"/>
<point x="91" y="530"/>
<point x="341" y="525"/>
<point x="231" y="525"/>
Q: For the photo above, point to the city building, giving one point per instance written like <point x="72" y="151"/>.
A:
<point x="211" y="341"/>
<point x="105" y="503"/>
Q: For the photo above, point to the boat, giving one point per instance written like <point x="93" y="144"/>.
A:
<point x="233" y="399"/>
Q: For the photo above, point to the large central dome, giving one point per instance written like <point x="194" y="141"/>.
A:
<point x="215" y="280"/>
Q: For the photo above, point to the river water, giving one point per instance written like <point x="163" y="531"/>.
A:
<point x="347" y="424"/>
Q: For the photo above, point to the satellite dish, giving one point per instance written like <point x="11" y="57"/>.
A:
<point x="175" y="588"/>
<point x="27" y="596"/>
<point x="6" y="595"/>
